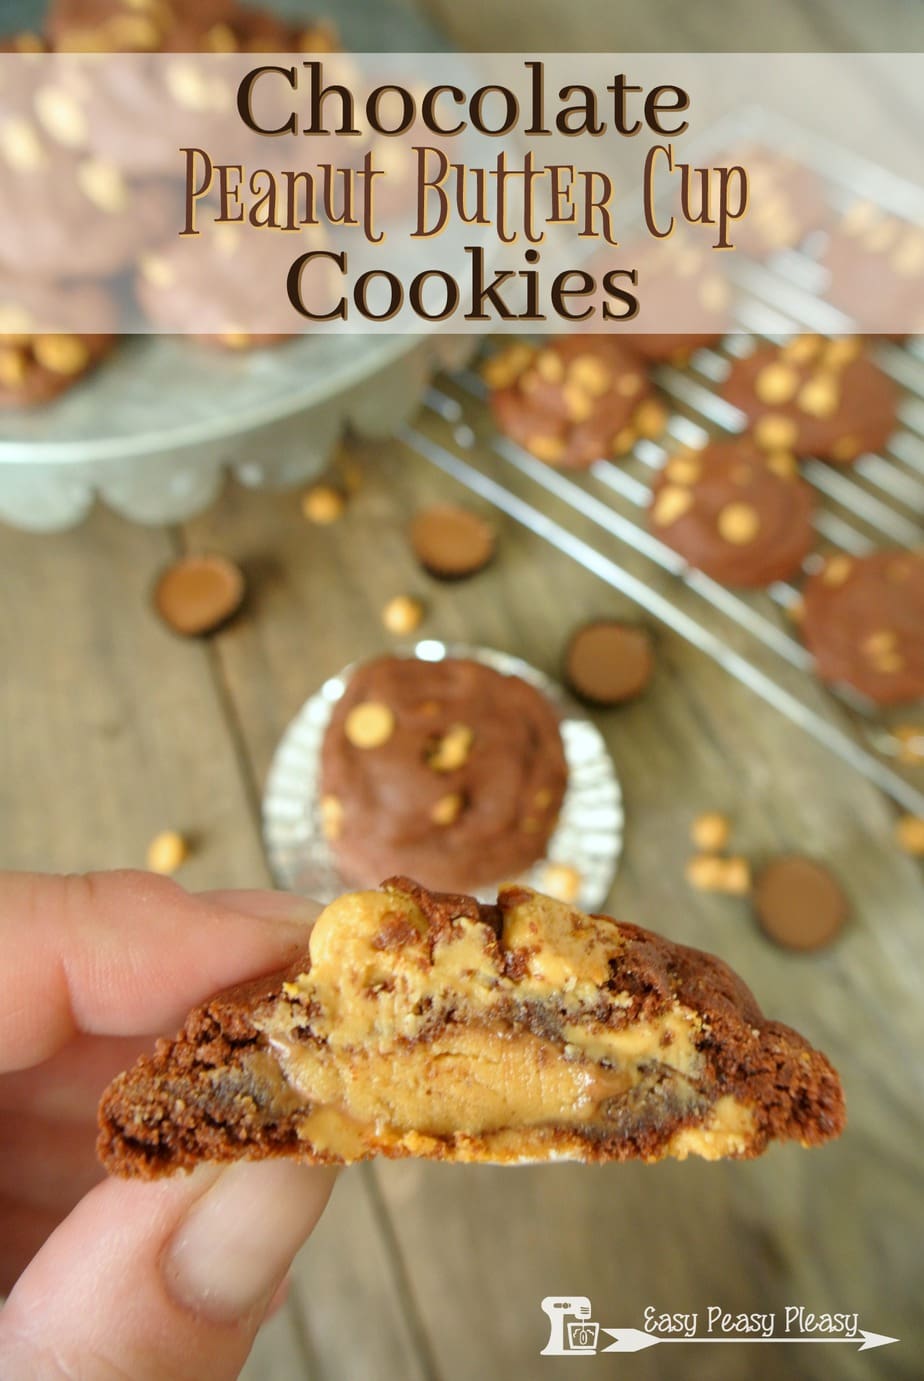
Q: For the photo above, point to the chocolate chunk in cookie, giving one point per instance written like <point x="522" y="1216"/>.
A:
<point x="815" y="397"/>
<point x="742" y="515"/>
<point x="50" y="337"/>
<point x="447" y="767"/>
<point x="876" y="267"/>
<point x="864" y="622"/>
<point x="575" y="400"/>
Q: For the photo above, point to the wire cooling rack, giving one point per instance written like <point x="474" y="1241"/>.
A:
<point x="879" y="501"/>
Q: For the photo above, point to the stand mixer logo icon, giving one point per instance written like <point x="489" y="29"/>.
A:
<point x="571" y="1331"/>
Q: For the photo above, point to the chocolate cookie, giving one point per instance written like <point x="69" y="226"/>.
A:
<point x="785" y="202"/>
<point x="682" y="288"/>
<point x="741" y="515"/>
<point x="863" y="621"/>
<point x="127" y="26"/>
<point x="815" y="397"/>
<point x="50" y="337"/>
<point x="76" y="216"/>
<point x="446" y="767"/>
<point x="577" y="399"/>
<point x="227" y="288"/>
<point x="876" y="268"/>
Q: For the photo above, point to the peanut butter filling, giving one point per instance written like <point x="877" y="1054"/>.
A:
<point x="396" y="1036"/>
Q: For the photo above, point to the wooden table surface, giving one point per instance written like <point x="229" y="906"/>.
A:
<point x="113" y="729"/>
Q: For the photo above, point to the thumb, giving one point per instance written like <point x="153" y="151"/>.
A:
<point x="170" y="1278"/>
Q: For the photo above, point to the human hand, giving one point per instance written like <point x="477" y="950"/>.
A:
<point x="113" y="1278"/>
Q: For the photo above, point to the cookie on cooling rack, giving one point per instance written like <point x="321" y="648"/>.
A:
<point x="786" y="201"/>
<point x="816" y="397"/>
<point x="574" y="400"/>
<point x="742" y="515"/>
<point x="876" y="266"/>
<point x="863" y="620"/>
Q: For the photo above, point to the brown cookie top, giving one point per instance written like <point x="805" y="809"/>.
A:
<point x="447" y="767"/>
<point x="77" y="216"/>
<point x="863" y="621"/>
<point x="684" y="298"/>
<point x="608" y="662"/>
<point x="575" y="400"/>
<point x="786" y="202"/>
<point x="50" y="336"/>
<point x="876" y="267"/>
<point x="799" y="904"/>
<point x="227" y="287"/>
<point x="742" y="515"/>
<point x="452" y="542"/>
<point x="815" y="397"/>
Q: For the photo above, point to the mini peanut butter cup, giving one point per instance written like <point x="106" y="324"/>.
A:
<point x="799" y="904"/>
<point x="607" y="662"/>
<point x="450" y="542"/>
<point x="199" y="594"/>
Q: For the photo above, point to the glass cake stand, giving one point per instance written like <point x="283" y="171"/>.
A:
<point x="154" y="430"/>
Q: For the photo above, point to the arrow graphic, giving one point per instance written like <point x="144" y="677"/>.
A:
<point x="634" y="1340"/>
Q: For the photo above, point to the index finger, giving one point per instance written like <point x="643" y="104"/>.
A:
<point x="126" y="953"/>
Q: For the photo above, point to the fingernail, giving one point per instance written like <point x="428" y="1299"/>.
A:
<point x="266" y="906"/>
<point x="231" y="1252"/>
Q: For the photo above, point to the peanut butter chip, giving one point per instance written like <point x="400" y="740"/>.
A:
<point x="61" y="354"/>
<point x="590" y="374"/>
<point x="627" y="385"/>
<point x="708" y="873"/>
<point x="776" y="383"/>
<point x="910" y="741"/>
<point x="738" y="523"/>
<point x="842" y="351"/>
<point x="578" y="404"/>
<point x="166" y="852"/>
<point x="650" y="418"/>
<point x="447" y="809"/>
<point x="782" y="463"/>
<point x="452" y="750"/>
<point x="505" y="368"/>
<point x="671" y="504"/>
<point x="710" y="831"/>
<point x="549" y="367"/>
<point x="820" y="397"/>
<point x="802" y="349"/>
<point x="156" y="270"/>
<point x="845" y="448"/>
<point x="62" y="116"/>
<point x="402" y="614"/>
<point x="774" y="432"/>
<point x="323" y="504"/>
<point x="908" y="256"/>
<point x="683" y="470"/>
<point x="836" y="571"/>
<point x="624" y="440"/>
<point x="551" y="449"/>
<point x="369" y="725"/>
<point x="20" y="145"/>
<point x="561" y="881"/>
<point x="103" y="184"/>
